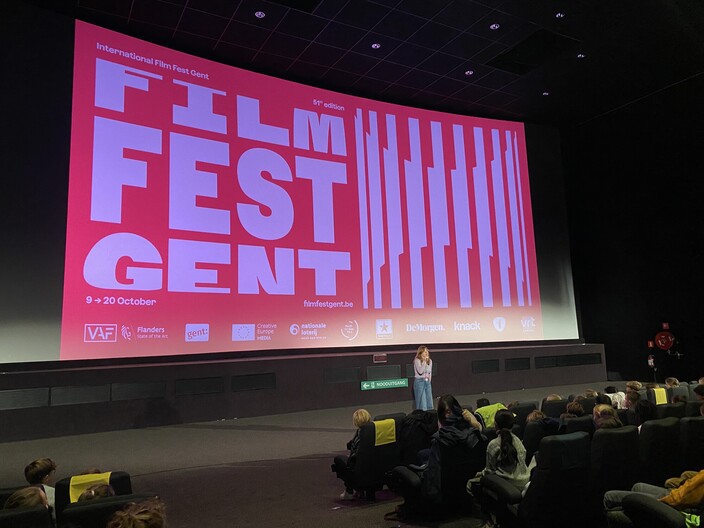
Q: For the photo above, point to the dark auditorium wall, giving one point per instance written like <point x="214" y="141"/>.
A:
<point x="634" y="187"/>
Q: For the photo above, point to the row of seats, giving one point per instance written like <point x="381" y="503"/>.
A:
<point x="574" y="471"/>
<point x="93" y="513"/>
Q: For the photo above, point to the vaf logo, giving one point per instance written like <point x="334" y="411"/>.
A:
<point x="100" y="333"/>
<point x="500" y="324"/>
<point x="528" y="324"/>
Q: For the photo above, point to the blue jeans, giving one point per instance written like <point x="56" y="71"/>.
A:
<point x="423" y="393"/>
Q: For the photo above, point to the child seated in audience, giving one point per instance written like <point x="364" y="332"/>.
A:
<point x="40" y="473"/>
<point x="605" y="417"/>
<point x="633" y="386"/>
<point x="487" y="411"/>
<point x="344" y="466"/>
<point x="505" y="454"/>
<point x="672" y="382"/>
<point x="617" y="397"/>
<point x="147" y="514"/>
<point x="27" y="498"/>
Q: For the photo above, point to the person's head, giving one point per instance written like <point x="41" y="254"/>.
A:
<point x="672" y="382"/>
<point x="631" y="399"/>
<point x="590" y="393"/>
<point x="27" y="498"/>
<point x="482" y="402"/>
<point x="652" y="385"/>
<point x="40" y="471"/>
<point x="89" y="471"/>
<point x="579" y="398"/>
<point x="553" y="397"/>
<point x="361" y="417"/>
<point x="535" y="416"/>
<point x="147" y="514"/>
<point x="610" y="389"/>
<point x="423" y="354"/>
<point x="602" y="399"/>
<point x="699" y="391"/>
<point x="504" y="419"/>
<point x="514" y="403"/>
<point x="600" y="408"/>
<point x="701" y="381"/>
<point x="448" y="408"/>
<point x="644" y="410"/>
<point x="97" y="491"/>
<point x="606" y="417"/>
<point x="575" y="408"/>
<point x="633" y="385"/>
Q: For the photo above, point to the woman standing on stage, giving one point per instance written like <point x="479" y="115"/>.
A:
<point x="422" y="389"/>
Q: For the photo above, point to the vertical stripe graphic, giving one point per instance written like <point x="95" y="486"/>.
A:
<point x="393" y="210"/>
<point x="415" y="210"/>
<point x="497" y="177"/>
<point x="462" y="218"/>
<point x="375" y="207"/>
<point x="439" y="228"/>
<point x="363" y="220"/>
<point x="481" y="193"/>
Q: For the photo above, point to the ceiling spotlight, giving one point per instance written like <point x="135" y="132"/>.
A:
<point x="376" y="45"/>
<point x="559" y="15"/>
<point x="494" y="26"/>
<point x="260" y="14"/>
<point x="580" y="55"/>
<point x="546" y="93"/>
<point x="469" y="72"/>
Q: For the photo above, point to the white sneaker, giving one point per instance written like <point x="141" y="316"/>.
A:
<point x="345" y="495"/>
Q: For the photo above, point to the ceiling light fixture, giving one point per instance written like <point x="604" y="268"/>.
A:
<point x="546" y="93"/>
<point x="494" y="26"/>
<point x="469" y="72"/>
<point x="580" y="55"/>
<point x="559" y="15"/>
<point x="260" y="14"/>
<point x="376" y="45"/>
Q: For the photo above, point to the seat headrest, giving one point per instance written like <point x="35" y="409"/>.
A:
<point x="660" y="395"/>
<point x="80" y="483"/>
<point x="384" y="432"/>
<point x="566" y="451"/>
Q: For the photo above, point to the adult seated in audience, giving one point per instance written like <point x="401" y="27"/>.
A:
<point x="689" y="495"/>
<point x="344" y="466"/>
<point x="505" y="454"/>
<point x="459" y="434"/>
<point x="40" y="473"/>
<point x="147" y="514"/>
<point x="672" y="382"/>
<point x="605" y="417"/>
<point x="617" y="397"/>
<point x="643" y="411"/>
<point x="487" y="411"/>
<point x="28" y="497"/>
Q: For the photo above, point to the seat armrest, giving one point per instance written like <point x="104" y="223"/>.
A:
<point x="503" y="490"/>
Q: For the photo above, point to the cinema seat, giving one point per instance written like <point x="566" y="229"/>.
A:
<point x="658" y="450"/>
<point x="96" y="513"/>
<point x="35" y="517"/>
<point x="69" y="489"/>
<point x="558" y="494"/>
<point x="613" y="461"/>
<point x="378" y="453"/>
<point x="692" y="443"/>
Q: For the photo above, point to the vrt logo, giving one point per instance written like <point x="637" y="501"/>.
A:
<point x="528" y="324"/>
<point x="500" y="324"/>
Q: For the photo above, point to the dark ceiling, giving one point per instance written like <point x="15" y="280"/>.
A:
<point x="562" y="62"/>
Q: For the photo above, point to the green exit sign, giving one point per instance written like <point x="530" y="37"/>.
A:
<point x="384" y="384"/>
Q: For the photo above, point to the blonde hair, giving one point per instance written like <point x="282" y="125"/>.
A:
<point x="591" y="393"/>
<point x="553" y="397"/>
<point x="634" y="385"/>
<point x="422" y="349"/>
<point x="26" y="498"/>
<point x="147" y="514"/>
<point x="361" y="417"/>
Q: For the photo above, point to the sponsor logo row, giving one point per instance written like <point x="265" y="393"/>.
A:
<point x="200" y="332"/>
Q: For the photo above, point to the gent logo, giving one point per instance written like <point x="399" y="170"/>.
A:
<point x="500" y="324"/>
